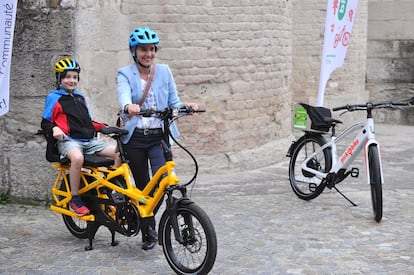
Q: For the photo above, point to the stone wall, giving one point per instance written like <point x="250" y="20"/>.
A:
<point x="346" y="84"/>
<point x="390" y="42"/>
<point x="390" y="56"/>
<point x="232" y="57"/>
<point x="247" y="62"/>
<point x="43" y="32"/>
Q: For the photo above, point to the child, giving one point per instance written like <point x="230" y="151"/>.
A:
<point x="66" y="116"/>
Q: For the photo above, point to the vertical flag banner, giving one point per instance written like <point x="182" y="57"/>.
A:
<point x="340" y="16"/>
<point x="7" y="18"/>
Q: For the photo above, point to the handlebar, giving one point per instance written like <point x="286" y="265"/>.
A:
<point x="370" y="106"/>
<point x="169" y="113"/>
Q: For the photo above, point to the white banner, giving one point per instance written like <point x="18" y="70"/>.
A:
<point x="340" y="16"/>
<point x="7" y="18"/>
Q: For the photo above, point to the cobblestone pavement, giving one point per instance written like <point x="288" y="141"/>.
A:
<point x="261" y="226"/>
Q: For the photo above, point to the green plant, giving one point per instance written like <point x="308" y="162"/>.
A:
<point x="47" y="200"/>
<point x="5" y="197"/>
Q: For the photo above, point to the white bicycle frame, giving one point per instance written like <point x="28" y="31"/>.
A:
<point x="364" y="139"/>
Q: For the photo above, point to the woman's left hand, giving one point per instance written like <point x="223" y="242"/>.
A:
<point x="192" y="105"/>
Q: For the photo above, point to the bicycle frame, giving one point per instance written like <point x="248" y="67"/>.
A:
<point x="312" y="155"/>
<point x="363" y="140"/>
<point x="144" y="202"/>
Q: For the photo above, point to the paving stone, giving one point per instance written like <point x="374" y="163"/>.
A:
<point x="261" y="226"/>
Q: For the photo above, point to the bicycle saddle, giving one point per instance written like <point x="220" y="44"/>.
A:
<point x="321" y="117"/>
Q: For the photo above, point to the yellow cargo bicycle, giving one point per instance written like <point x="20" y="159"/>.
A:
<point x="186" y="233"/>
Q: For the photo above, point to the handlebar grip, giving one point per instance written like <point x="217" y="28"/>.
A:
<point x="345" y="107"/>
<point x="108" y="130"/>
<point x="146" y="113"/>
<point x="187" y="109"/>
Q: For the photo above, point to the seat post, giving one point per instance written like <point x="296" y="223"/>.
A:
<point x="333" y="129"/>
<point x="121" y="150"/>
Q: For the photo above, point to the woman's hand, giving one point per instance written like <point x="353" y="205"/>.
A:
<point x="133" y="109"/>
<point x="192" y="105"/>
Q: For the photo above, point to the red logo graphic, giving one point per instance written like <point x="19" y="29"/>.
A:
<point x="335" y="5"/>
<point x="351" y="15"/>
<point x="350" y="150"/>
<point x="343" y="37"/>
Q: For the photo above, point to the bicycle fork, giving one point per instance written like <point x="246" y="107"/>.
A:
<point x="173" y="204"/>
<point x="364" y="140"/>
<point x="369" y="144"/>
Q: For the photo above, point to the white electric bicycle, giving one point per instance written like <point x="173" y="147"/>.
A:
<point x="315" y="163"/>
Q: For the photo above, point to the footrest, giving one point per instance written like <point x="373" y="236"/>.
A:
<point x="88" y="218"/>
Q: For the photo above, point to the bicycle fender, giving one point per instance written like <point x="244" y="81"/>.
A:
<point x="171" y="211"/>
<point x="294" y="143"/>
<point x="289" y="152"/>
<point x="366" y="149"/>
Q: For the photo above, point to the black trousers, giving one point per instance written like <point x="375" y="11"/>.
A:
<point x="144" y="152"/>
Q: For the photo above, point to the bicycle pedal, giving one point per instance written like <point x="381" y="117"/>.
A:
<point x="354" y="172"/>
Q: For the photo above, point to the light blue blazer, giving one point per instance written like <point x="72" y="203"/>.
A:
<point x="130" y="92"/>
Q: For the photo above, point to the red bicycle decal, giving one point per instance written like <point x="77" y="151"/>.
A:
<point x="342" y="37"/>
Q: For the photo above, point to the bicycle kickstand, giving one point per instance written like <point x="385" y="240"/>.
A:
<point x="345" y="197"/>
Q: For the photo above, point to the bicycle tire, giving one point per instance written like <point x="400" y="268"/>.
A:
<point x="305" y="184"/>
<point x="197" y="254"/>
<point x="77" y="227"/>
<point x="375" y="182"/>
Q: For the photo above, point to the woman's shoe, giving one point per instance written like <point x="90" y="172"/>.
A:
<point x="150" y="239"/>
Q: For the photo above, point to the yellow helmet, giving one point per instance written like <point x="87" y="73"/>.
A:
<point x="66" y="64"/>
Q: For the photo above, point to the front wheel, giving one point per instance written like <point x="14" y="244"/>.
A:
<point x="196" y="253"/>
<point x="307" y="185"/>
<point x="375" y="182"/>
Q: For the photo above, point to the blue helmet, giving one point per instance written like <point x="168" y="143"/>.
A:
<point x="143" y="36"/>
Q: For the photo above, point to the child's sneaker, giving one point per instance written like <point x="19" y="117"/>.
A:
<point x="76" y="205"/>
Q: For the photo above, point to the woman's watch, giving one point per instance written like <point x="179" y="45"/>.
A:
<point x="126" y="109"/>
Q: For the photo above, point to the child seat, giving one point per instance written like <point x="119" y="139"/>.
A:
<point x="52" y="154"/>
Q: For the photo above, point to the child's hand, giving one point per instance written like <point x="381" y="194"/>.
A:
<point x="58" y="133"/>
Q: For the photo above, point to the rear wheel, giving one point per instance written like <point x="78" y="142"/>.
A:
<point x="305" y="184"/>
<point x="76" y="227"/>
<point x="375" y="182"/>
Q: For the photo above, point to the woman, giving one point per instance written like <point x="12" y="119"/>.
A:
<point x="143" y="143"/>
